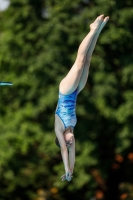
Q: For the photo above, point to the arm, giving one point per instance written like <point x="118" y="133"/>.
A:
<point x="64" y="151"/>
<point x="64" y="154"/>
<point x="71" y="161"/>
<point x="72" y="156"/>
<point x="69" y="170"/>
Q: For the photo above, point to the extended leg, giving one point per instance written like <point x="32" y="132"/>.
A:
<point x="71" y="81"/>
<point x="85" y="72"/>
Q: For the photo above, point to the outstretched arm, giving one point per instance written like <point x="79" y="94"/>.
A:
<point x="69" y="170"/>
<point x="72" y="156"/>
<point x="68" y="176"/>
<point x="63" y="147"/>
<point x="65" y="157"/>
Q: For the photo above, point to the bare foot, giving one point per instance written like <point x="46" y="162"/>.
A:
<point x="103" y="24"/>
<point x="96" y="24"/>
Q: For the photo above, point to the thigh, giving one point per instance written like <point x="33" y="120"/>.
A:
<point x="71" y="81"/>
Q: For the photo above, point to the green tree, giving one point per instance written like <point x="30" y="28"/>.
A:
<point x="39" y="41"/>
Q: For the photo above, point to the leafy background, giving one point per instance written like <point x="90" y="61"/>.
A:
<point x="38" y="45"/>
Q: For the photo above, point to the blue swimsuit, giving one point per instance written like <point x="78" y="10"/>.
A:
<point x="66" y="108"/>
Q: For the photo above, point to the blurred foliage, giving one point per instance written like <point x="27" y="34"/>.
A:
<point x="38" y="45"/>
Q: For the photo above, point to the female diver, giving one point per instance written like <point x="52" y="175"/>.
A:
<point x="69" y="88"/>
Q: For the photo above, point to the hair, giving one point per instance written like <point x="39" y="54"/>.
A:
<point x="57" y="142"/>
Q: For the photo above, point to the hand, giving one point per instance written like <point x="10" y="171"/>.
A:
<point x="68" y="176"/>
<point x="63" y="177"/>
